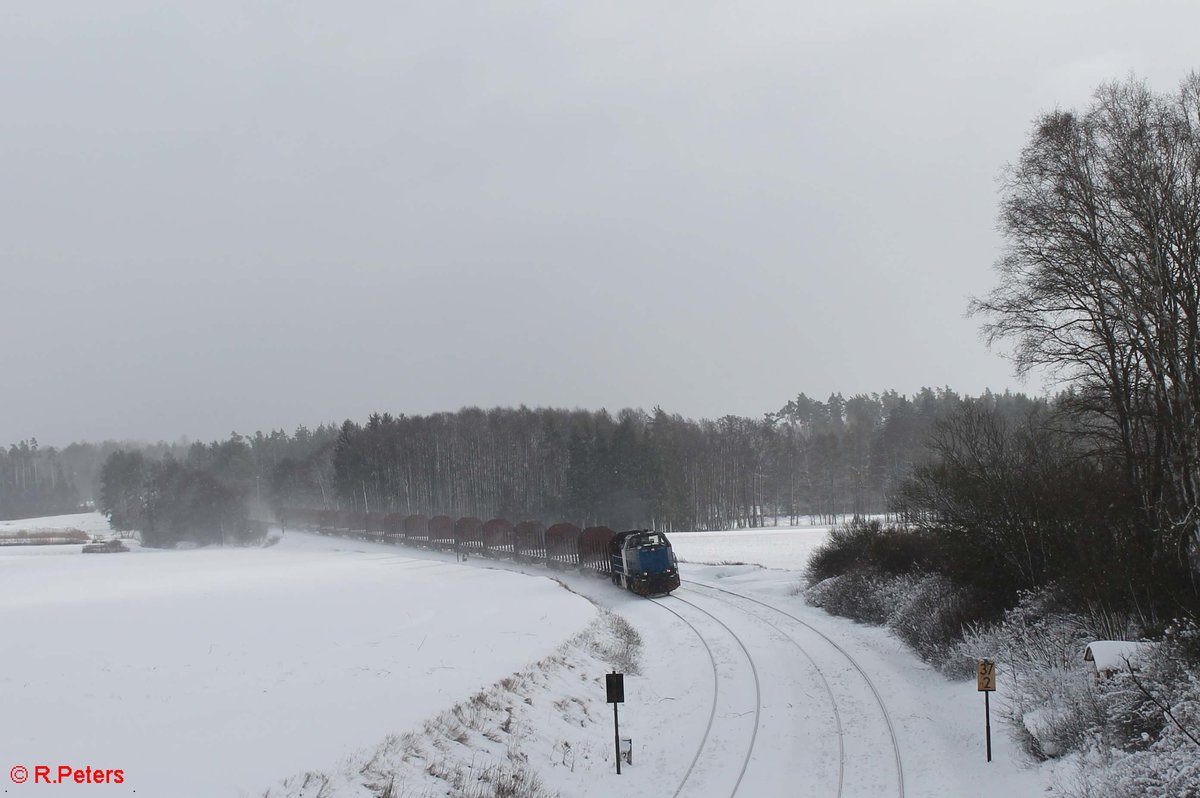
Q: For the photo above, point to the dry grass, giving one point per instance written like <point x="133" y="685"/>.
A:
<point x="43" y="537"/>
<point x="483" y="747"/>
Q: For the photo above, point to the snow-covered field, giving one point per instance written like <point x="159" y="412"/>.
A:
<point x="771" y="547"/>
<point x="211" y="672"/>
<point x="94" y="523"/>
<point x="329" y="664"/>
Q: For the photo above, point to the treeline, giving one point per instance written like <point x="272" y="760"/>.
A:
<point x="829" y="459"/>
<point x="35" y="481"/>
<point x="1009" y="505"/>
<point x="215" y="493"/>
<point x="43" y="480"/>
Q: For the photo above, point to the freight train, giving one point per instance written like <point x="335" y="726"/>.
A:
<point x="639" y="560"/>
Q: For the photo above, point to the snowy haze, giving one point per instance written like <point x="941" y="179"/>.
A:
<point x="223" y="216"/>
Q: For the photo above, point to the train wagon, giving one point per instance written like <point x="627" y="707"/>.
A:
<point x="640" y="560"/>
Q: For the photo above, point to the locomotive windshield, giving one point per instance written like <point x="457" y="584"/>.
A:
<point x="647" y="539"/>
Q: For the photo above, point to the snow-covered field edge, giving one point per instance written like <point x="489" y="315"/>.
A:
<point x="528" y="735"/>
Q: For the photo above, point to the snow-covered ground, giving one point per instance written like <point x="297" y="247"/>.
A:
<point x="92" y="523"/>
<point x="88" y="522"/>
<point x="327" y="663"/>
<point x="771" y="547"/>
<point x="214" y="672"/>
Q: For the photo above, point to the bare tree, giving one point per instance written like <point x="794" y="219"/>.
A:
<point x="1100" y="283"/>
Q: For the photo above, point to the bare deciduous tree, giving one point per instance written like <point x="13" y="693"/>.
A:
<point x="1100" y="283"/>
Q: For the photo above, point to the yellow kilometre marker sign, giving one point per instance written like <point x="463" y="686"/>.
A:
<point x="985" y="676"/>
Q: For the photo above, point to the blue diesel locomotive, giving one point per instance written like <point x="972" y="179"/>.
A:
<point x="644" y="562"/>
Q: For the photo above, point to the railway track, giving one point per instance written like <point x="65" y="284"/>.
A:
<point x="708" y="731"/>
<point x="829" y="693"/>
<point x="726" y="648"/>
<point x="841" y="653"/>
<point x="716" y="694"/>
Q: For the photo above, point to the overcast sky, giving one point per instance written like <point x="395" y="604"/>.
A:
<point x="219" y="216"/>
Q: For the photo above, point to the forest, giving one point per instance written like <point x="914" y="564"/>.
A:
<point x="40" y="480"/>
<point x="840" y="457"/>
<point x="827" y="459"/>
<point x="36" y="481"/>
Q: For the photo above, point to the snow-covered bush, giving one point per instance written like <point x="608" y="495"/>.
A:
<point x="1136" y="733"/>
<point x="870" y="572"/>
<point x="1150" y="741"/>
<point x="1133" y="733"/>
<point x="868" y="544"/>
<point x="1032" y="634"/>
<point x="931" y="620"/>
<point x="859" y="595"/>
<point x="1049" y="697"/>
<point x="925" y="610"/>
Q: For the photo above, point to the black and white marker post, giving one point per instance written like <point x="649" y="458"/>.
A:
<point x="615" y="683"/>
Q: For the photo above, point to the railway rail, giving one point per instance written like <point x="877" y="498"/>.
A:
<point x="845" y="656"/>
<point x="566" y="546"/>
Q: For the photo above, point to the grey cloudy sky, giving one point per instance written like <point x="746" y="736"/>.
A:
<point x="219" y="216"/>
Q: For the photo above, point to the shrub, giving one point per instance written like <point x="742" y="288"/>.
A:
<point x="1048" y="696"/>
<point x="868" y="544"/>
<point x="844" y="550"/>
<point x="932" y="620"/>
<point x="1057" y="707"/>
<point x="853" y="595"/>
<point x="1149" y="741"/>
<point x="879" y="575"/>
<point x="1162" y="698"/>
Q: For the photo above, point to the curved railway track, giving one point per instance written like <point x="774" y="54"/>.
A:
<point x="891" y="730"/>
<point x="833" y="703"/>
<point x="726" y="598"/>
<point x="712" y="714"/>
<point x="716" y="691"/>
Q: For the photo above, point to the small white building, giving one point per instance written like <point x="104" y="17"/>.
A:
<point x="1111" y="656"/>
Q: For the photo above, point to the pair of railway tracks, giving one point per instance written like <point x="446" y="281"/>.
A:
<point x="732" y="733"/>
<point x="821" y="653"/>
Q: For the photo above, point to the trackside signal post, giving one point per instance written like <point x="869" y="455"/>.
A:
<point x="615" y="683"/>
<point x="985" y="682"/>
